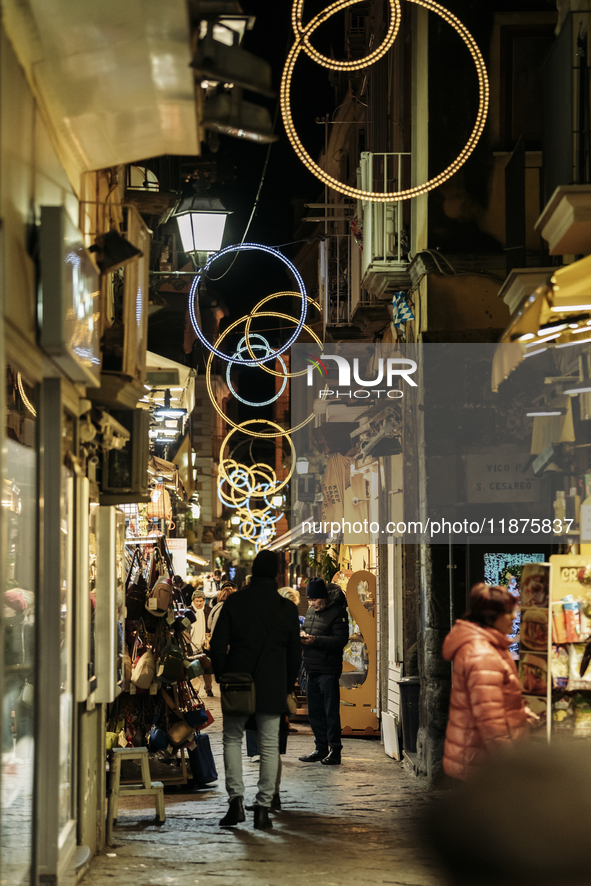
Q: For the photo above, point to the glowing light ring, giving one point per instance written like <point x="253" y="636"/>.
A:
<point x="250" y="421"/>
<point x="217" y="407"/>
<point x="239" y="350"/>
<point x="254" y="313"/>
<point x="299" y="30"/>
<point x="302" y="43"/>
<point x="241" y="492"/>
<point x="247" y="247"/>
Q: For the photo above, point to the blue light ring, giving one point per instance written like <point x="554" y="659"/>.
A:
<point x="248" y="247"/>
<point x="240" y="350"/>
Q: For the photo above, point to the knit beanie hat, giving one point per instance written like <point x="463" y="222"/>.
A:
<point x="198" y="592"/>
<point x="265" y="565"/>
<point x="316" y="589"/>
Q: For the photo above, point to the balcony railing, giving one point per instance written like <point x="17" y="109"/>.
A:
<point x="339" y="275"/>
<point x="384" y="258"/>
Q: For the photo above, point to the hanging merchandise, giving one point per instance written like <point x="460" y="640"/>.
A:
<point x="144" y="666"/>
<point x="202" y="762"/>
<point x="126" y="667"/>
<point x="170" y="663"/>
<point x="159" y="597"/>
<point x="158" y="740"/>
<point x="135" y="588"/>
<point x="160" y="507"/>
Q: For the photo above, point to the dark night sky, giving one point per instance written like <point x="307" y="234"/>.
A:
<point x="287" y="180"/>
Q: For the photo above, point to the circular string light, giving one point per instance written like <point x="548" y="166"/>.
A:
<point x="264" y="344"/>
<point x="257" y="421"/>
<point x="254" y="313"/>
<point x="24" y="398"/>
<point x="256" y="524"/>
<point x="215" y="404"/>
<point x="247" y="247"/>
<point x="303" y="33"/>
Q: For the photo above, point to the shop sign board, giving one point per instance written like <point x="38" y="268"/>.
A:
<point x="498" y="477"/>
<point x="69" y="304"/>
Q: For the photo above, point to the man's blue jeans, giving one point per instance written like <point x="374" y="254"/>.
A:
<point x="268" y="742"/>
<point x="324" y="710"/>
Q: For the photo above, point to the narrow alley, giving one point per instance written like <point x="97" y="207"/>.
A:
<point x="357" y="817"/>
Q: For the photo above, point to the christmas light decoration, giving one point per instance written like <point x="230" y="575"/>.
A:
<point x="264" y="344"/>
<point x="215" y="404"/>
<point x="247" y="247"/>
<point x="302" y="43"/>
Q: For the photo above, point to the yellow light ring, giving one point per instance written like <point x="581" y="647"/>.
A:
<point x="267" y="474"/>
<point x="302" y="33"/>
<point x="214" y="402"/>
<point x="417" y="190"/>
<point x="241" y="493"/>
<point x="254" y="314"/>
<point x="282" y="433"/>
<point x="24" y="398"/>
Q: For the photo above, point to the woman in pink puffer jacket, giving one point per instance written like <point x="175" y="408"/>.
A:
<point x="486" y="704"/>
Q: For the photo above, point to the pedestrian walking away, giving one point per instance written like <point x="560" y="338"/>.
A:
<point x="257" y="634"/>
<point x="325" y="634"/>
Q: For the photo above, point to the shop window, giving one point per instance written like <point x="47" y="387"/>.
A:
<point x="19" y="544"/>
<point x="505" y="569"/>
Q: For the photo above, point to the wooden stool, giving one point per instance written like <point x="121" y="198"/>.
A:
<point x="146" y="789"/>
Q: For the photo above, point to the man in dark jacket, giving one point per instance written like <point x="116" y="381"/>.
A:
<point x="257" y="633"/>
<point x="326" y="631"/>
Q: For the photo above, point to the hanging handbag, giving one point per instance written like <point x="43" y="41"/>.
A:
<point x="158" y="739"/>
<point x="159" y="507"/>
<point x="190" y="706"/>
<point x="135" y="591"/>
<point x="126" y="668"/>
<point x="202" y="762"/>
<point x="180" y="733"/>
<point x="143" y="670"/>
<point x="170" y="664"/>
<point x="194" y="670"/>
<point x="238" y="689"/>
<point x="159" y="597"/>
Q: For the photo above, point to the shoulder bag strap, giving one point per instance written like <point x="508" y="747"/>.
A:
<point x="130" y="573"/>
<point x="272" y="630"/>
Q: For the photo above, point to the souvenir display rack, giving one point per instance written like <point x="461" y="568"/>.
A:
<point x="158" y="707"/>
<point x="555" y="634"/>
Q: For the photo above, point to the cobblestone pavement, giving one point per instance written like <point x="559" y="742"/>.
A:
<point x="337" y="825"/>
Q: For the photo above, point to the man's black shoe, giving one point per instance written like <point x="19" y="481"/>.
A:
<point x="275" y="802"/>
<point x="333" y="759"/>
<point x="234" y="815"/>
<point x="316" y="757"/>
<point x="209" y="693"/>
<point x="261" y="818"/>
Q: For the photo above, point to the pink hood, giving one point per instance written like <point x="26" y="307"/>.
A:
<point x="467" y="632"/>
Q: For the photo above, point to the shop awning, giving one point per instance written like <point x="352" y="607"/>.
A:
<point x="196" y="559"/>
<point x="294" y="537"/>
<point x="168" y="375"/>
<point x="561" y="305"/>
<point x="113" y="79"/>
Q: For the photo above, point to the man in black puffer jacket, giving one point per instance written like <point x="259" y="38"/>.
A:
<point x="257" y="633"/>
<point x="326" y="631"/>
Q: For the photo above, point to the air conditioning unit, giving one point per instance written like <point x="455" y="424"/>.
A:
<point x="125" y="471"/>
